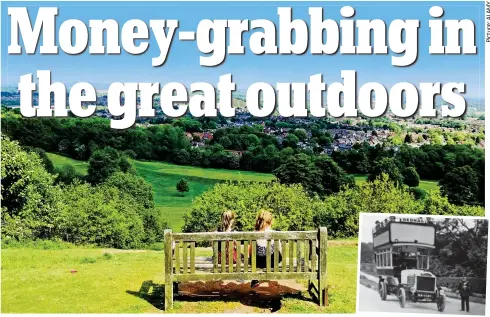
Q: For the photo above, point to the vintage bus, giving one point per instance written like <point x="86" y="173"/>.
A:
<point x="402" y="248"/>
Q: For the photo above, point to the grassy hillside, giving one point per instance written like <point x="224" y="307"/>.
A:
<point x="109" y="281"/>
<point x="164" y="177"/>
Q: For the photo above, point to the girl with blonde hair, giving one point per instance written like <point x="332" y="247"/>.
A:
<point x="264" y="224"/>
<point x="227" y="222"/>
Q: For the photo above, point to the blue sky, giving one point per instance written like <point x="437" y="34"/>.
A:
<point x="183" y="61"/>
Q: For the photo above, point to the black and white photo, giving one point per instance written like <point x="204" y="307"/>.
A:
<point x="421" y="264"/>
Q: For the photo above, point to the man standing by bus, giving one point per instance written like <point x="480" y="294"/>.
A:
<point x="464" y="292"/>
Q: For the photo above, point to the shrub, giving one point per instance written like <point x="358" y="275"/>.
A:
<point x="292" y="208"/>
<point x="133" y="185"/>
<point x="103" y="163"/>
<point x="29" y="196"/>
<point x="87" y="260"/>
<point x="55" y="244"/>
<point x="182" y="186"/>
<point x="340" y="212"/>
<point x="107" y="256"/>
<point x="67" y="174"/>
<point x="418" y="193"/>
<point x="101" y="215"/>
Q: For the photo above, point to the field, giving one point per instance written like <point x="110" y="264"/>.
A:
<point x="109" y="281"/>
<point x="164" y="176"/>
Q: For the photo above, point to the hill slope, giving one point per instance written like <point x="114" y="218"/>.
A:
<point x="164" y="177"/>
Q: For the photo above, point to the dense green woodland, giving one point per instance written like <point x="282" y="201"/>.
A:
<point x="112" y="206"/>
<point x="260" y="152"/>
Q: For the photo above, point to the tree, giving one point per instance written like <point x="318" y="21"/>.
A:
<point x="460" y="185"/>
<point x="410" y="177"/>
<point x="418" y="193"/>
<point x="133" y="185"/>
<point x="387" y="166"/>
<point x="479" y="167"/>
<point x="340" y="212"/>
<point x="290" y="140"/>
<point x="225" y="142"/>
<point x="182" y="186"/>
<point x="367" y="252"/>
<point x="408" y="138"/>
<point x="291" y="206"/>
<point x="101" y="215"/>
<point x="299" y="169"/>
<point x="333" y="177"/>
<point x="461" y="246"/>
<point x="29" y="196"/>
<point x="142" y="193"/>
<point x="67" y="174"/>
<point x="48" y="165"/>
<point x="103" y="163"/>
<point x="301" y="134"/>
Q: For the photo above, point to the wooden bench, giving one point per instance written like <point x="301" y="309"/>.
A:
<point x="304" y="257"/>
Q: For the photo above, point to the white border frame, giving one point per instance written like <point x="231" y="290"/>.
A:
<point x="363" y="215"/>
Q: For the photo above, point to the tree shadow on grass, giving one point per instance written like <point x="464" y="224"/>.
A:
<point x="267" y="296"/>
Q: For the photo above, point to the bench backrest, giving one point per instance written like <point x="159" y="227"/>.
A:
<point x="303" y="253"/>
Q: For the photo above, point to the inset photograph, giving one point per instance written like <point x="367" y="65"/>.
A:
<point x="421" y="264"/>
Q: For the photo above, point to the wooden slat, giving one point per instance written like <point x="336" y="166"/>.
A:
<point x="291" y="255"/>
<point x="268" y="254"/>
<point x="184" y="258"/>
<point x="215" y="256"/>
<point x="284" y="256"/>
<point x="307" y="255"/>
<point x="314" y="262"/>
<point x="208" y="267"/>
<point x="298" y="256"/>
<point x="272" y="235"/>
<point x="223" y="256"/>
<point x="322" y="287"/>
<point x="245" y="276"/>
<point x="238" y="256"/>
<point x="168" y="303"/>
<point x="177" y="258"/>
<point x="245" y="256"/>
<point x="276" y="255"/>
<point x="193" y="257"/>
<point x="254" y="255"/>
<point x="230" y="256"/>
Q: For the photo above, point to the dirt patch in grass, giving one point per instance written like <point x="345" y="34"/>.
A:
<point x="266" y="297"/>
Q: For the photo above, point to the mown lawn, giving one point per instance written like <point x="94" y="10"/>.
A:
<point x="164" y="177"/>
<point x="109" y="281"/>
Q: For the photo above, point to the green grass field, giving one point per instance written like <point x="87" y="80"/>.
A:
<point x="164" y="176"/>
<point x="109" y="281"/>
